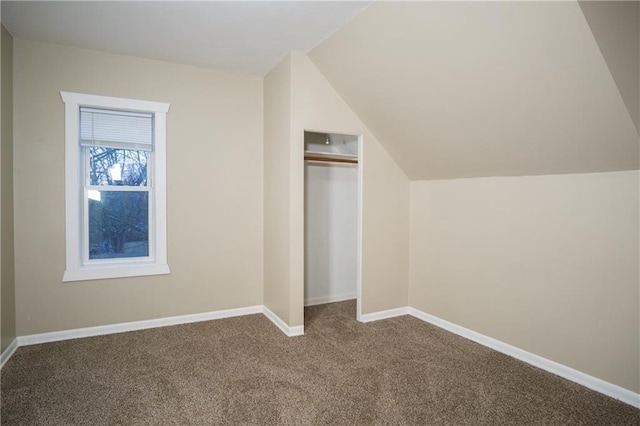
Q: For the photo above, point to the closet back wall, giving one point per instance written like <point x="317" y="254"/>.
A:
<point x="331" y="232"/>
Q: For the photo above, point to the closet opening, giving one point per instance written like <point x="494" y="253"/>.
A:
<point x="332" y="222"/>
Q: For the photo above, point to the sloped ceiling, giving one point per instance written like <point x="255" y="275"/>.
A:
<point x="484" y="88"/>
<point x="616" y="28"/>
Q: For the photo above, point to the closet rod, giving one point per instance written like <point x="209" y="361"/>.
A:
<point x="332" y="160"/>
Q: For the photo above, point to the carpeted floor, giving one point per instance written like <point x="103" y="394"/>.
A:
<point x="245" y="371"/>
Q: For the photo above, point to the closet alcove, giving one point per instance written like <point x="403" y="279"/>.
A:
<point x="331" y="217"/>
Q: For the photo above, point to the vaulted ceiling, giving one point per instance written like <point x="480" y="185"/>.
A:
<point x="492" y="88"/>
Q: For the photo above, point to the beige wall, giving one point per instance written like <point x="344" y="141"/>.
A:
<point x="548" y="264"/>
<point x="277" y="130"/>
<point x="298" y="98"/>
<point x="7" y="289"/>
<point x="385" y="211"/>
<point x="214" y="189"/>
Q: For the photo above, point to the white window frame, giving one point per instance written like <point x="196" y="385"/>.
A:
<point x="78" y="268"/>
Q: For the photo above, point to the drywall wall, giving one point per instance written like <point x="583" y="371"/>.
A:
<point x="548" y="264"/>
<point x="475" y="77"/>
<point x="316" y="106"/>
<point x="298" y="98"/>
<point x="330" y="232"/>
<point x="214" y="189"/>
<point x="7" y="289"/>
<point x="277" y="131"/>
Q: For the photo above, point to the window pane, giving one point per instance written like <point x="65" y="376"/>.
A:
<point x="112" y="166"/>
<point x="118" y="224"/>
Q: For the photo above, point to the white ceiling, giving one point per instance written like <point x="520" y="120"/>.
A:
<point x="248" y="37"/>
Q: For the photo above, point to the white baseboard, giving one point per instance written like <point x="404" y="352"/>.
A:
<point x="375" y="316"/>
<point x="561" y="370"/>
<point x="289" y="331"/>
<point x="569" y="373"/>
<point x="8" y="352"/>
<point x="55" y="336"/>
<point x="312" y="301"/>
<point x="34" y="339"/>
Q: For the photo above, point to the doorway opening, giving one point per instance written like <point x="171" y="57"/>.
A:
<point x="332" y="222"/>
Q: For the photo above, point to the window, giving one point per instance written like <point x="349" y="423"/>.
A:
<point x="115" y="187"/>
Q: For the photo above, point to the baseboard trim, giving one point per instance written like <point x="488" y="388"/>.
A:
<point x="8" y="352"/>
<point x="77" y="333"/>
<point x="390" y="313"/>
<point x="558" y="369"/>
<point x="598" y="385"/>
<point x="289" y="331"/>
<point x="312" y="301"/>
<point x="56" y="336"/>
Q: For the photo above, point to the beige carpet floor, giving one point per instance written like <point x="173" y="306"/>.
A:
<point x="245" y="371"/>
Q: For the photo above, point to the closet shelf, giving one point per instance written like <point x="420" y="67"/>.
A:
<point x="330" y="157"/>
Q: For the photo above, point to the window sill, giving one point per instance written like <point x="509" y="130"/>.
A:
<point x="115" y="272"/>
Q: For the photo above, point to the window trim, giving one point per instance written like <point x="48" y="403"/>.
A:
<point x="156" y="263"/>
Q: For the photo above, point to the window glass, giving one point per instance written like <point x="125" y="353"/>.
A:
<point x="113" y="166"/>
<point x="118" y="224"/>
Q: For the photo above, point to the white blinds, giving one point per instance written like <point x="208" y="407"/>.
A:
<point x="116" y="129"/>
